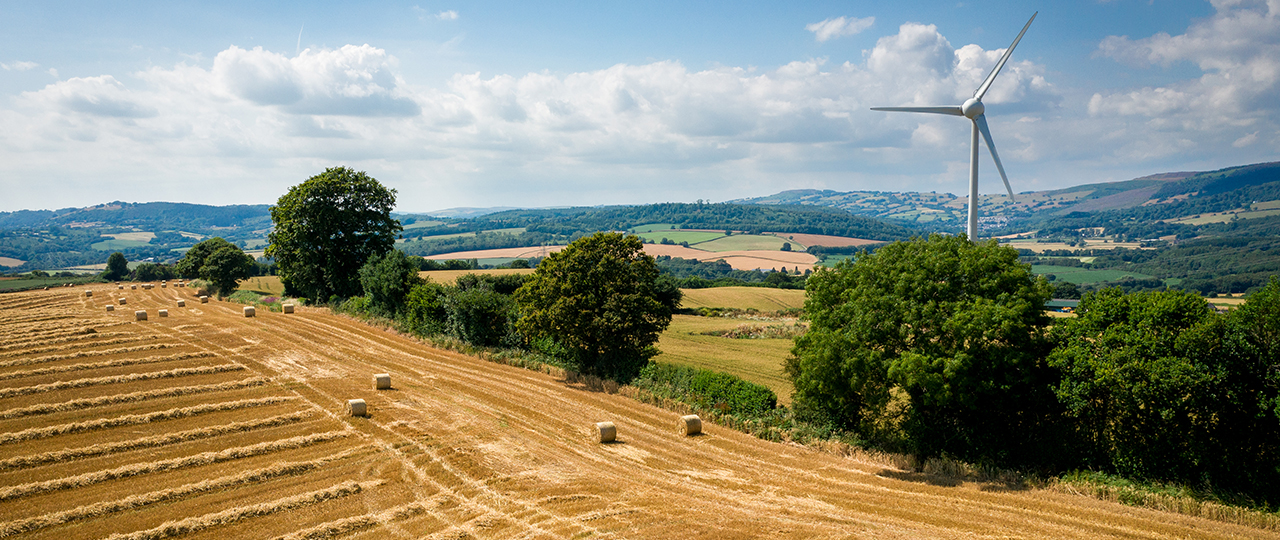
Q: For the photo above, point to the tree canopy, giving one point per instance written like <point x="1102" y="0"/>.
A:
<point x="387" y="280"/>
<point x="939" y="342"/>
<point x="598" y="302"/>
<point x="193" y="260"/>
<point x="325" y="230"/>
<point x="117" y="267"/>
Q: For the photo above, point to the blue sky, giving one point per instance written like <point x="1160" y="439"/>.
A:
<point x="537" y="104"/>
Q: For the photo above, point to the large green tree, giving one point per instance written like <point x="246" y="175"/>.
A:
<point x="600" y="303"/>
<point x="117" y="267"/>
<point x="325" y="230"/>
<point x="937" y="343"/>
<point x="193" y="260"/>
<point x="1157" y="385"/>
<point x="224" y="268"/>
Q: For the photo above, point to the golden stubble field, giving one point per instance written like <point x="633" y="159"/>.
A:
<point x="207" y="424"/>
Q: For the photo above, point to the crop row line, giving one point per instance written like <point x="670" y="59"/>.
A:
<point x="132" y="502"/>
<point x="114" y="379"/>
<point x="135" y="419"/>
<point x="83" y="354"/>
<point x="142" y="395"/>
<point x="69" y="346"/>
<point x="106" y="364"/>
<point x="153" y="441"/>
<point x="231" y="515"/>
<point x="83" y="334"/>
<point x="336" y="528"/>
<point x="137" y="469"/>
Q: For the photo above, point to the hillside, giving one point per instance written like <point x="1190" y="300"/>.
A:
<point x="209" y="424"/>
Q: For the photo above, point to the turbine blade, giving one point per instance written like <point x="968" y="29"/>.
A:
<point x="952" y="111"/>
<point x="981" y="122"/>
<point x="982" y="90"/>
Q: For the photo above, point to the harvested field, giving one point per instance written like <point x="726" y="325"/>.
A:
<point x="758" y="298"/>
<point x="824" y="240"/>
<point x="449" y="277"/>
<point x="741" y="260"/>
<point x="458" y="448"/>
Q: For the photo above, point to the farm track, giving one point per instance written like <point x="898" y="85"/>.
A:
<point x="212" y="425"/>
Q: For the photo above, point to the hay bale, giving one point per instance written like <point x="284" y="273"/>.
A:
<point x="164" y="285"/>
<point x="356" y="407"/>
<point x="124" y="301"/>
<point x="182" y="303"/>
<point x="690" y="424"/>
<point x="121" y="287"/>
<point x="249" y="311"/>
<point x="608" y="433"/>
<point x="111" y="307"/>
<point x="133" y="287"/>
<point x="382" y="381"/>
<point x="164" y="313"/>
<point x="204" y="299"/>
<point x="288" y="308"/>
<point x="88" y="294"/>
<point x="140" y="315"/>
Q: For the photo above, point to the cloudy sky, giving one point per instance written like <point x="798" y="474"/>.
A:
<point x="582" y="103"/>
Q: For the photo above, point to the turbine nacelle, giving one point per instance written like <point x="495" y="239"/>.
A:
<point x="972" y="108"/>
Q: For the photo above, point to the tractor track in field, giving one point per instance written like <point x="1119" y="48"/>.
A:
<point x="244" y="435"/>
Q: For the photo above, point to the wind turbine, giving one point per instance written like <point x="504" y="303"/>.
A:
<point x="974" y="110"/>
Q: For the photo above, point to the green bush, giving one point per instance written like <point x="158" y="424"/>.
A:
<point x="705" y="389"/>
<point x="424" y="313"/>
<point x="480" y="316"/>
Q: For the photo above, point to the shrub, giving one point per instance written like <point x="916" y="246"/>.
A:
<point x="722" y="392"/>
<point x="480" y="316"/>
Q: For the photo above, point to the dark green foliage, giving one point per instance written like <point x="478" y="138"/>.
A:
<point x="325" y="230"/>
<point x="117" y="267"/>
<point x="954" y="327"/>
<point x="1066" y="290"/>
<point x="601" y="300"/>
<point x="1158" y="386"/>
<point x="387" y="280"/>
<point x="502" y="284"/>
<point x="727" y="394"/>
<point x="225" y="267"/>
<point x="424" y="309"/>
<point x="153" y="272"/>
<point x="480" y="316"/>
<point x="695" y="274"/>
<point x="194" y="259"/>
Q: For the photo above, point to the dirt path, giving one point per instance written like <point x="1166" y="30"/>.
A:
<point x="209" y="424"/>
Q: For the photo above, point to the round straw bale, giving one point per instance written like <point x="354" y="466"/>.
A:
<point x="357" y="407"/>
<point x="690" y="424"/>
<point x="88" y="294"/>
<point x="140" y="315"/>
<point x="164" y="285"/>
<point x="164" y="313"/>
<point x="288" y="308"/>
<point x="121" y="287"/>
<point x="382" y="381"/>
<point x="182" y="303"/>
<point x="124" y="301"/>
<point x="249" y="311"/>
<point x="133" y="287"/>
<point x="111" y="307"/>
<point x="204" y="299"/>
<point x="608" y="433"/>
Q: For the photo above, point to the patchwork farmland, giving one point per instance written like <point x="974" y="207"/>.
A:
<point x="210" y="424"/>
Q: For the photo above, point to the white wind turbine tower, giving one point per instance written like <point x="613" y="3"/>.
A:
<point x="973" y="110"/>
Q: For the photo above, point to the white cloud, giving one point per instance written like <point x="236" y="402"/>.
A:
<point x="839" y="27"/>
<point x="449" y="15"/>
<point x="354" y="81"/>
<point x="1237" y="51"/>
<point x="19" y="66"/>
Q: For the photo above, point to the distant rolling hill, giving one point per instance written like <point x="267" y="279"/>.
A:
<point x="945" y="211"/>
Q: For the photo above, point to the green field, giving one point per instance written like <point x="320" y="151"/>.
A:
<point x="512" y="230"/>
<point x="1081" y="276"/>
<point x="692" y="237"/>
<point x="654" y="227"/>
<point x="422" y="224"/>
<point x="747" y="242"/>
<point x="756" y="360"/>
